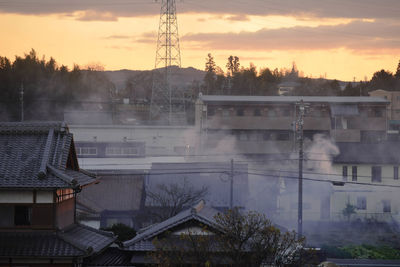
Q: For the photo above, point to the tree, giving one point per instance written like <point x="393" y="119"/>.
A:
<point x="169" y="200"/>
<point x="209" y="78"/>
<point x="348" y="211"/>
<point x="233" y="65"/>
<point x="382" y="80"/>
<point x="397" y="75"/>
<point x="122" y="231"/>
<point x="250" y="239"/>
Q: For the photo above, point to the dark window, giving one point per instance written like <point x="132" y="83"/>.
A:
<point x="283" y="137"/>
<point x="240" y="112"/>
<point x="354" y="173"/>
<point x="378" y="112"/>
<point x="344" y="173"/>
<point x="396" y="172"/>
<point x="257" y="112"/>
<point x="22" y="215"/>
<point x="361" y="203"/>
<point x="376" y="173"/>
<point x="267" y="136"/>
<point x="211" y="111"/>
<point x="386" y="206"/>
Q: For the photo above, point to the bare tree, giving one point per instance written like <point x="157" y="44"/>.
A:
<point x="250" y="239"/>
<point x="168" y="200"/>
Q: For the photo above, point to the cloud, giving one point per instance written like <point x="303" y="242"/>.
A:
<point x="238" y="17"/>
<point x="92" y="15"/>
<point x="357" y="35"/>
<point x="299" y="8"/>
<point x="147" y="37"/>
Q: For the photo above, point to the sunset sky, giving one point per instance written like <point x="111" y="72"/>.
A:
<point x="341" y="39"/>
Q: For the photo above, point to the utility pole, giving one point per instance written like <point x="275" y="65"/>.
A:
<point x="231" y="187"/>
<point x="299" y="128"/>
<point x="22" y="101"/>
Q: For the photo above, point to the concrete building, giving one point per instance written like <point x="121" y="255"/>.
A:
<point x="393" y="108"/>
<point x="265" y="124"/>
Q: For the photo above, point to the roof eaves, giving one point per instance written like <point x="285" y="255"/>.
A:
<point x="73" y="182"/>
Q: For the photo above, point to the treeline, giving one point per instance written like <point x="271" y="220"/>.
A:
<point x="48" y="89"/>
<point x="238" y="80"/>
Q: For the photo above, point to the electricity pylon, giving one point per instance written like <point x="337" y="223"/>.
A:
<point x="165" y="98"/>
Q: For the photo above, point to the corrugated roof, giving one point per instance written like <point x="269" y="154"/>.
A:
<point x="293" y="99"/>
<point x="35" y="155"/>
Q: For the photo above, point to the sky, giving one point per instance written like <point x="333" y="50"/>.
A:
<point x="337" y="39"/>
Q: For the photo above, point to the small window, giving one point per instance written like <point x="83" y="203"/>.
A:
<point x="267" y="136"/>
<point x="211" y="111"/>
<point x="240" y="112"/>
<point x="396" y="172"/>
<point x="285" y="112"/>
<point x="354" y="173"/>
<point x="344" y="173"/>
<point x="225" y="113"/>
<point x="398" y="98"/>
<point x="283" y="137"/>
<point x="271" y="113"/>
<point x="376" y="174"/>
<point x="378" y="112"/>
<point x="386" y="206"/>
<point x="361" y="203"/>
<point x="257" y="112"/>
<point x="22" y="215"/>
<point x="86" y="151"/>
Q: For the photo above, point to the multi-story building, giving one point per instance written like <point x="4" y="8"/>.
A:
<point x="266" y="124"/>
<point x="393" y="108"/>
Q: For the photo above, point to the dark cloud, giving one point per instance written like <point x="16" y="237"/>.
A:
<point x="357" y="35"/>
<point x="309" y="8"/>
<point x="238" y="17"/>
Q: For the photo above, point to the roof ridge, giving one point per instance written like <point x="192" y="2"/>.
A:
<point x="46" y="155"/>
<point x="62" y="175"/>
<point x="86" y="249"/>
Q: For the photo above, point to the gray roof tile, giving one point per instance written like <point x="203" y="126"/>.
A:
<point x="34" y="155"/>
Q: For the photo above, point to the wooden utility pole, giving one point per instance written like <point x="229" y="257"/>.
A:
<point x="231" y="187"/>
<point x="300" y="124"/>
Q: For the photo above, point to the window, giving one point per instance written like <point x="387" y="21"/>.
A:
<point x="285" y="112"/>
<point x="398" y="98"/>
<point x="211" y="111"/>
<point x="376" y="173"/>
<point x="22" y="215"/>
<point x="257" y="112"/>
<point x="225" y="113"/>
<point x="271" y="113"/>
<point x="64" y="194"/>
<point x="344" y="173"/>
<point x="283" y="137"/>
<point x="354" y="173"/>
<point x="119" y="151"/>
<point x="396" y="172"/>
<point x="267" y="136"/>
<point x="86" y="151"/>
<point x="361" y="203"/>
<point x="386" y="206"/>
<point x="240" y="112"/>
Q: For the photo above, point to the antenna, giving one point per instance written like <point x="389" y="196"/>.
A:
<point x="166" y="99"/>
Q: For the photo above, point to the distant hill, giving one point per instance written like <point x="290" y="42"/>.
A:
<point x="183" y="77"/>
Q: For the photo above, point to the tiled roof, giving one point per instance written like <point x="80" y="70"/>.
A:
<point x="110" y="257"/>
<point x="200" y="213"/>
<point x="87" y="238"/>
<point x="77" y="241"/>
<point x="293" y="99"/>
<point x="36" y="244"/>
<point x="35" y="155"/>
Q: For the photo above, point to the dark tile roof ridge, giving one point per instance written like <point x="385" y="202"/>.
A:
<point x="88" y="173"/>
<point x="62" y="176"/>
<point x="106" y="233"/>
<point x="192" y="213"/>
<point x="46" y="155"/>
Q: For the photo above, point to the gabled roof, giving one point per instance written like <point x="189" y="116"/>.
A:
<point x="292" y="99"/>
<point x="37" y="154"/>
<point x="75" y="241"/>
<point x="201" y="213"/>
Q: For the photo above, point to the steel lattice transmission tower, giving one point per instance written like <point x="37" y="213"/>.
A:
<point x="166" y="99"/>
